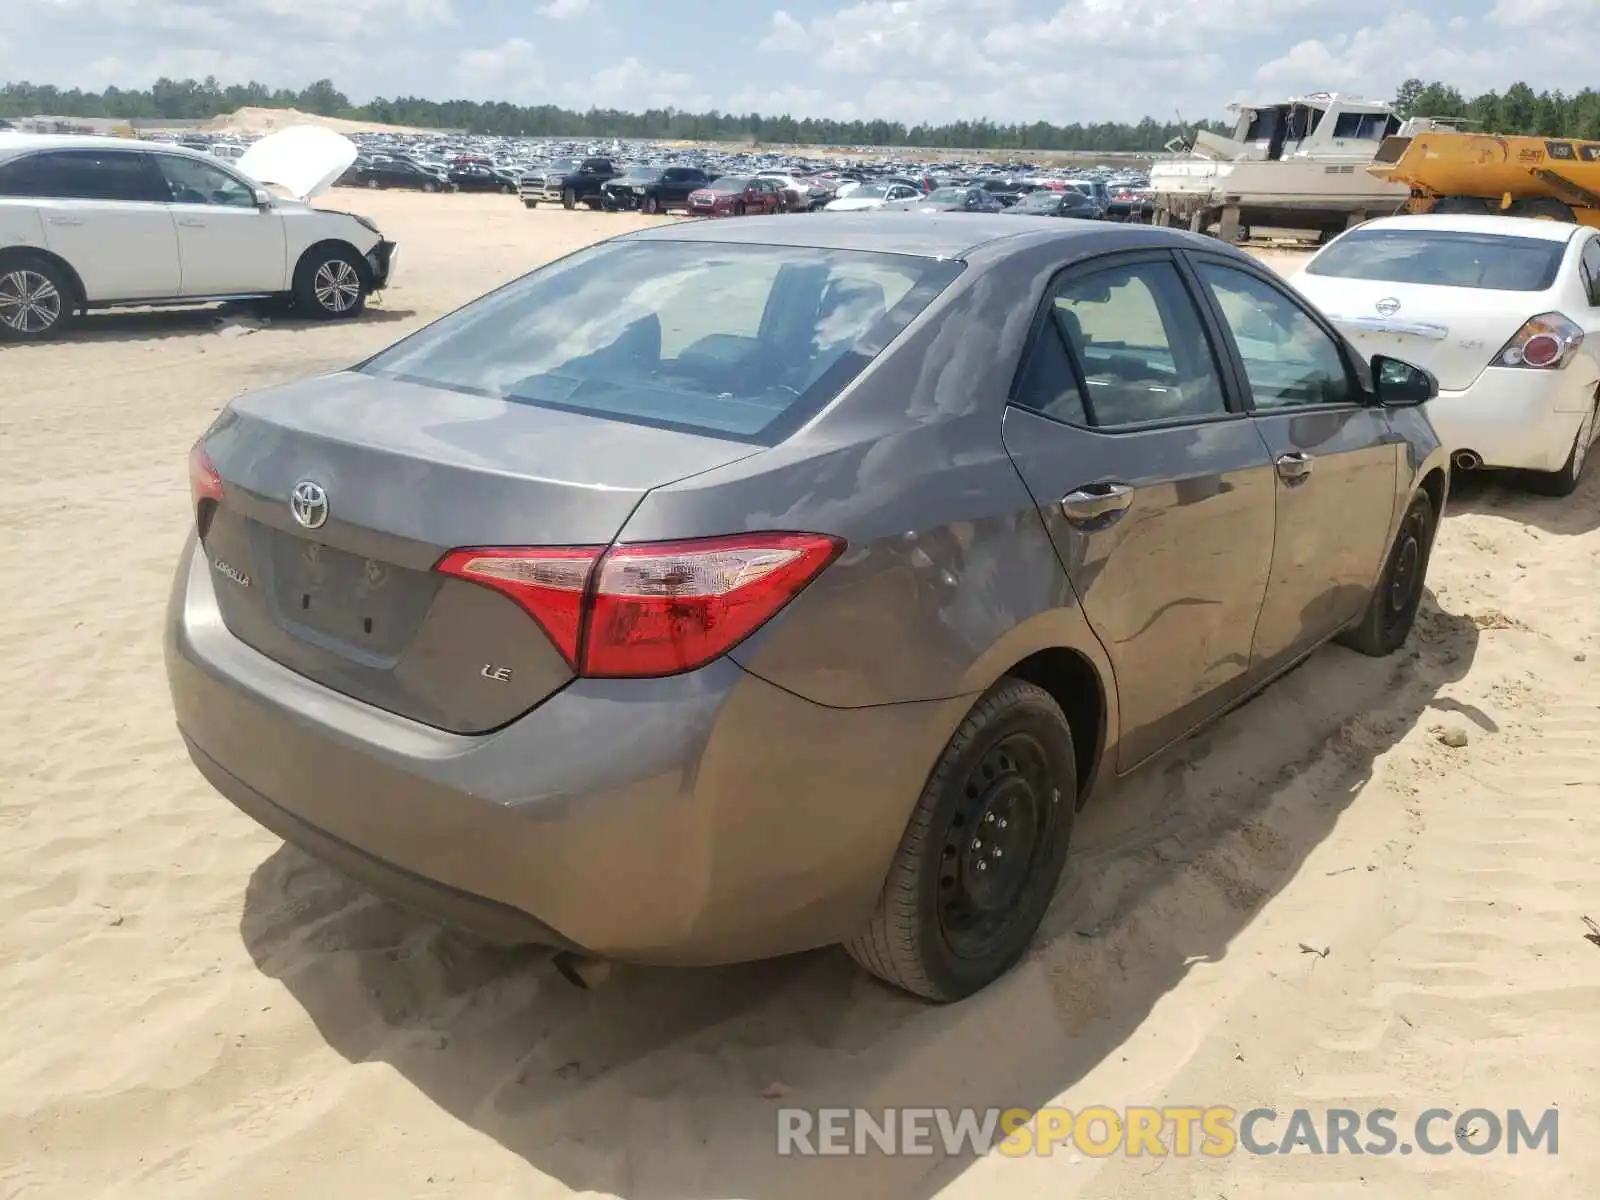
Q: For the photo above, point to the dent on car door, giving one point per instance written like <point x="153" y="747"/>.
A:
<point x="1335" y="454"/>
<point x="1157" y="490"/>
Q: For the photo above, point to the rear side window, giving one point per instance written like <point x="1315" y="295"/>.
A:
<point x="1444" y="258"/>
<point x="1591" y="270"/>
<point x="1140" y="351"/>
<point x="736" y="341"/>
<point x="125" y="175"/>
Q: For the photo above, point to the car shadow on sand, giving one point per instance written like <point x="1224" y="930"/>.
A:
<point x="1503" y="494"/>
<point x="659" y="1084"/>
<point x="234" y="319"/>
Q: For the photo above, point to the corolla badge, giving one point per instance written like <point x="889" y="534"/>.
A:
<point x="309" y="504"/>
<point x="1388" y="306"/>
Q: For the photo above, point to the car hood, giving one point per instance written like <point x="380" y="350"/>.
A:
<point x="299" y="162"/>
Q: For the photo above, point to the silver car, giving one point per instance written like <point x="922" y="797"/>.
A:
<point x="721" y="591"/>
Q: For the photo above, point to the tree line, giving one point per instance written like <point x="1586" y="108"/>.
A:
<point x="1518" y="110"/>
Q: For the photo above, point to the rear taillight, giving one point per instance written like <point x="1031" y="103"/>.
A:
<point x="549" y="583"/>
<point x="1547" y="342"/>
<point x="650" y="608"/>
<point x="204" y="482"/>
<point x="205" y="487"/>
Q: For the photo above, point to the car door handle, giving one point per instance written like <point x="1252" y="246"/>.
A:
<point x="1096" y="500"/>
<point x="192" y="222"/>
<point x="66" y="220"/>
<point x="1295" y="465"/>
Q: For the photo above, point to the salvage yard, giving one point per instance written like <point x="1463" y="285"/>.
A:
<point x="1365" y="889"/>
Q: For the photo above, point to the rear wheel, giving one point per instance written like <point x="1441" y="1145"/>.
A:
<point x="430" y="186"/>
<point x="1392" y="608"/>
<point x="330" y="284"/>
<point x="981" y="858"/>
<point x="36" y="299"/>
<point x="1461" y="206"/>
<point x="373" y="184"/>
<point x="1542" y="208"/>
<point x="1565" y="481"/>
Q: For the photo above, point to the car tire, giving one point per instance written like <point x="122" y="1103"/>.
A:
<point x="1565" y="481"/>
<point x="37" y="299"/>
<point x="1469" y="206"/>
<point x="323" y="282"/>
<point x="1392" y="607"/>
<point x="946" y="927"/>
<point x="1542" y="208"/>
<point x="373" y="184"/>
<point x="569" y="199"/>
<point x="651" y="206"/>
<point x="430" y="186"/>
<point x="530" y="204"/>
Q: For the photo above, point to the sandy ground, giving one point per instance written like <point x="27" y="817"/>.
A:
<point x="192" y="1009"/>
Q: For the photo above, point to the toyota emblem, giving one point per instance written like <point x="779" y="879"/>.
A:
<point x="309" y="504"/>
<point x="1388" y="306"/>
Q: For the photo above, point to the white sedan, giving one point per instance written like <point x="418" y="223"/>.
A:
<point x="1505" y="311"/>
<point x="870" y="196"/>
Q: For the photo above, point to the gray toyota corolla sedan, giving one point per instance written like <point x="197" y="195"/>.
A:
<point x="724" y="590"/>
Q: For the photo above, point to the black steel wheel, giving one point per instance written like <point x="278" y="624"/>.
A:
<point x="982" y="855"/>
<point x="1392" y="608"/>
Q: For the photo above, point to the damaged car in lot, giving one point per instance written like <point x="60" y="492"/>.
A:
<point x="652" y="189"/>
<point x="727" y="589"/>
<point x="90" y="223"/>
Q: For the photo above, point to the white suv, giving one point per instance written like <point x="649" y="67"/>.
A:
<point x="102" y="222"/>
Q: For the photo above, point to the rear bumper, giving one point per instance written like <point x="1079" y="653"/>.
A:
<point x="1515" y="418"/>
<point x="705" y="818"/>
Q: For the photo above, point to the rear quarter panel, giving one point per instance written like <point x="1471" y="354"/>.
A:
<point x="19" y="223"/>
<point x="949" y="578"/>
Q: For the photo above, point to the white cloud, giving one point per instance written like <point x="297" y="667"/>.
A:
<point x="564" y="10"/>
<point x="1166" y="28"/>
<point x="786" y="34"/>
<point x="510" y="71"/>
<point x="1375" y="59"/>
<point x="1539" y="12"/>
<point x="631" y="85"/>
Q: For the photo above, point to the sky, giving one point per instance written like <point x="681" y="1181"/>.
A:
<point x="910" y="60"/>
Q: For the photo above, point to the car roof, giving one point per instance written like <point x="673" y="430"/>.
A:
<point x="925" y="235"/>
<point x="1523" y="227"/>
<point x="12" y="144"/>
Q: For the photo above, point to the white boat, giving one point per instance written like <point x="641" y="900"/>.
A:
<point x="1297" y="164"/>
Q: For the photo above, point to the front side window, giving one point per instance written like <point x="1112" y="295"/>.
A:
<point x="1139" y="345"/>
<point x="728" y="340"/>
<point x="194" y="182"/>
<point x="1289" y="360"/>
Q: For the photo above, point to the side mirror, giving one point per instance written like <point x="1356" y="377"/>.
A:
<point x="1399" y="384"/>
<point x="263" y="199"/>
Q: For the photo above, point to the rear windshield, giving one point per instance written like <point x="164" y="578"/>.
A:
<point x="1444" y="258"/>
<point x="734" y="341"/>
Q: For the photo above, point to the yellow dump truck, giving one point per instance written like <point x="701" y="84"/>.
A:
<point x="1450" y="171"/>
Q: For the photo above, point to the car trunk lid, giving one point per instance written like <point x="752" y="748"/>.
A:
<point x="339" y="584"/>
<point x="1452" y="331"/>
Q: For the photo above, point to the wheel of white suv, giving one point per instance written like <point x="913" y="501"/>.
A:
<point x="330" y="284"/>
<point x="36" y="299"/>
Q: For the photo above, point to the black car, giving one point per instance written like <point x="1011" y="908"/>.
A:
<point x="1068" y="202"/>
<point x="397" y="173"/>
<point x="475" y="177"/>
<point x="1097" y="192"/>
<point x="652" y="189"/>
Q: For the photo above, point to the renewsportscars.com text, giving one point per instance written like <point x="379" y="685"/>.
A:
<point x="1214" y="1131"/>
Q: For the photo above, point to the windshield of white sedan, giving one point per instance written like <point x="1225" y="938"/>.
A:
<point x="1445" y="258"/>
<point x="744" y="342"/>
